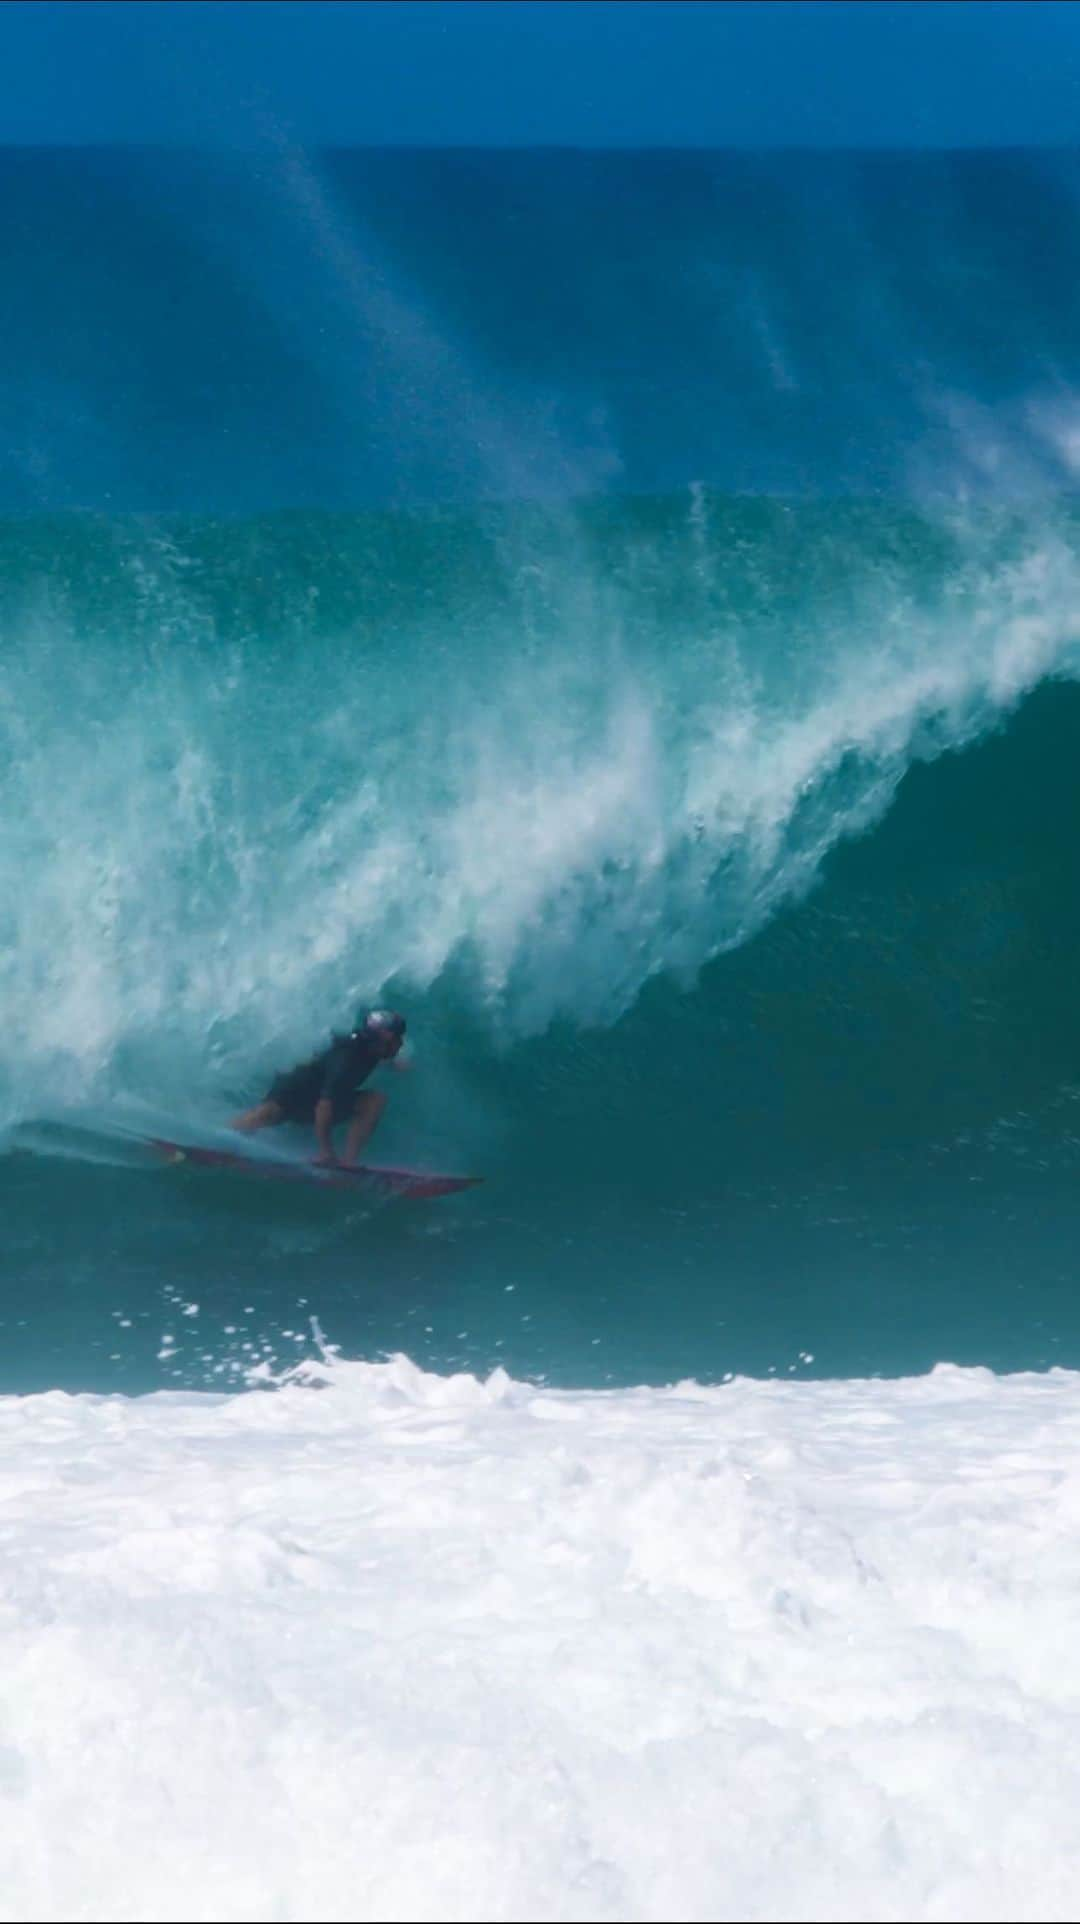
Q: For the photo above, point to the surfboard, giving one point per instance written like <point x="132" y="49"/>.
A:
<point x="377" y="1179"/>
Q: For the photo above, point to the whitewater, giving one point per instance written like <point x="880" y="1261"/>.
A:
<point x="384" y="1644"/>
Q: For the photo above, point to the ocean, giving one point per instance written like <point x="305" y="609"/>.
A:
<point x="624" y="611"/>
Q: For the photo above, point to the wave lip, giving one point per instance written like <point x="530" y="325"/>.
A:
<point x="252" y="773"/>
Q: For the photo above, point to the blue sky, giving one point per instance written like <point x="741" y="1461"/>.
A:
<point x="762" y="73"/>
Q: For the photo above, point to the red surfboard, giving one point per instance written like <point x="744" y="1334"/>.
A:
<point x="388" y="1182"/>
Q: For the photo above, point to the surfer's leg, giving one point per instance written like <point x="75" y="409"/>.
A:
<point x="369" y="1108"/>
<point x="263" y="1116"/>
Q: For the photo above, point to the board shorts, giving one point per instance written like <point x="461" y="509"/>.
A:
<point x="298" y="1090"/>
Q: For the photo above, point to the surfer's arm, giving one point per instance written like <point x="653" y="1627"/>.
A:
<point x="324" y="1121"/>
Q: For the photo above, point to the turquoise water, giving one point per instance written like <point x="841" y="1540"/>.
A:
<point x="640" y="639"/>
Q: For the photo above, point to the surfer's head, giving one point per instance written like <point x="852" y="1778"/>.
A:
<point x="386" y="1029"/>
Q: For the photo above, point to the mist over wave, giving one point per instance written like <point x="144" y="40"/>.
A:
<point x="235" y="333"/>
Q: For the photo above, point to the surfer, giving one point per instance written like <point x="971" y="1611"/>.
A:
<point x="326" y="1091"/>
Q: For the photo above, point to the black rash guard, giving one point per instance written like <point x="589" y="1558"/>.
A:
<point x="334" y="1076"/>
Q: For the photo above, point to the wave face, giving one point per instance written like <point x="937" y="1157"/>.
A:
<point x="417" y="637"/>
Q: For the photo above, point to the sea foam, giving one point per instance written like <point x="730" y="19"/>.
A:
<point x="380" y="1644"/>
